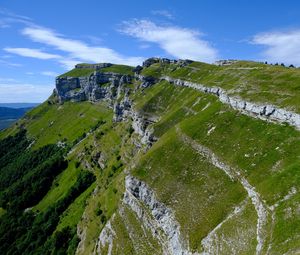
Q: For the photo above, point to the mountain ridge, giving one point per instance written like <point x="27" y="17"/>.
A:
<point x="180" y="155"/>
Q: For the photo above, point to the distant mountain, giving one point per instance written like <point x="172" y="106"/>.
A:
<point x="10" y="115"/>
<point x="19" y="105"/>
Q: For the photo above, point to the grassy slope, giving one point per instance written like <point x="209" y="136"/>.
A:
<point x="52" y="123"/>
<point x="77" y="72"/>
<point x="252" y="81"/>
<point x="110" y="143"/>
<point x="267" y="155"/>
<point x="49" y="123"/>
<point x="122" y="69"/>
<point x="188" y="183"/>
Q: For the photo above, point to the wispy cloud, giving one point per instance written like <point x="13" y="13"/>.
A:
<point x="7" y="18"/>
<point x="176" y="41"/>
<point x="8" y="13"/>
<point x="18" y="92"/>
<point x="32" y="53"/>
<point x="72" y="51"/>
<point x="49" y="73"/>
<point x="163" y="13"/>
<point x="77" y="50"/>
<point x="280" y="46"/>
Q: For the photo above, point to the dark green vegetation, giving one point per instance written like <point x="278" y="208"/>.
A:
<point x="62" y="167"/>
<point x="26" y="176"/>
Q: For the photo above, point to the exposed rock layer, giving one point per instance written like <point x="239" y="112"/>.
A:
<point x="262" y="111"/>
<point x="162" y="223"/>
<point x="97" y="86"/>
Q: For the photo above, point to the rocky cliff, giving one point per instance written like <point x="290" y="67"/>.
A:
<point x="206" y="168"/>
<point x="94" y="87"/>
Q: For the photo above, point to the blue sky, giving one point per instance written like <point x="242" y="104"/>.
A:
<point x="41" y="39"/>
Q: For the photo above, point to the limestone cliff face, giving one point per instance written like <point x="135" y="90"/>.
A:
<point x="112" y="88"/>
<point x="97" y="86"/>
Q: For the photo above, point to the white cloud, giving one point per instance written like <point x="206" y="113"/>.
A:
<point x="177" y="41"/>
<point x="7" y="18"/>
<point x="76" y="49"/>
<point x="280" y="46"/>
<point x="163" y="13"/>
<point x="49" y="73"/>
<point x="33" y="53"/>
<point x="17" y="92"/>
<point x="8" y="13"/>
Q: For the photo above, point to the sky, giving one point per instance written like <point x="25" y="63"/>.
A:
<point x="42" y="39"/>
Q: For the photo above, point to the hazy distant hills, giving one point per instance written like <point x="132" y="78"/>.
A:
<point x="18" y="105"/>
<point x="10" y="112"/>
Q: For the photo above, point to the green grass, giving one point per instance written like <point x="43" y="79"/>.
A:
<point x="237" y="233"/>
<point x="132" y="237"/>
<point x="51" y="123"/>
<point x="267" y="155"/>
<point x="121" y="69"/>
<point x="107" y="201"/>
<point x="110" y="139"/>
<point x="122" y="243"/>
<point x="177" y="173"/>
<point x="252" y="81"/>
<point x="78" y="72"/>
<point x="60" y="187"/>
<point x="286" y="234"/>
<point x="74" y="212"/>
<point x="253" y="146"/>
<point x="171" y="104"/>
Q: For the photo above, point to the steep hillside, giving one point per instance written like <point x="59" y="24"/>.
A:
<point x="172" y="157"/>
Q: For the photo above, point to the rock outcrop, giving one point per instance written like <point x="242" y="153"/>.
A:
<point x="110" y="87"/>
<point x="163" y="217"/>
<point x="181" y="62"/>
<point x="147" y="81"/>
<point x="262" y="111"/>
<point x="93" y="66"/>
<point x="97" y="86"/>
